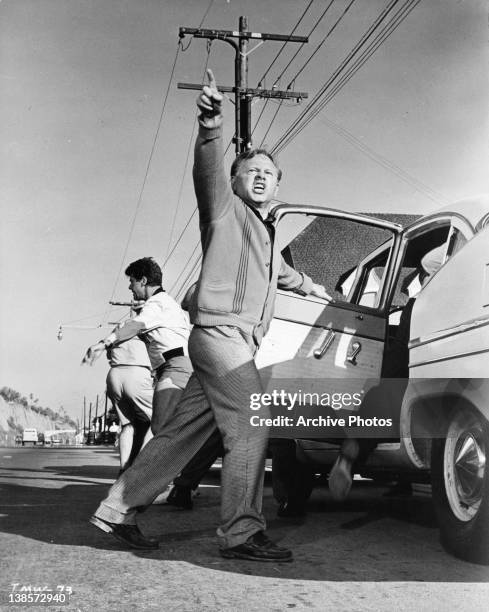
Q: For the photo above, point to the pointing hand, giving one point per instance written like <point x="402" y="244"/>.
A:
<point x="210" y="101"/>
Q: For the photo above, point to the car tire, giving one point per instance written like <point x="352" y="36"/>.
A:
<point x="460" y="485"/>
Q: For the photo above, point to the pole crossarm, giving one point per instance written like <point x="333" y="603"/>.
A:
<point x="242" y="93"/>
<point x="223" y="34"/>
<point x="257" y="93"/>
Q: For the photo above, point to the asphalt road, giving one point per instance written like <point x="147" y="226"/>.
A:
<point x="369" y="553"/>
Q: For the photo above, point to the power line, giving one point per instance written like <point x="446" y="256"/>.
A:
<point x="331" y="30"/>
<point x="297" y="122"/>
<point x="184" y="267"/>
<point x="318" y="21"/>
<point x="177" y="242"/>
<point x="201" y="22"/>
<point x="317" y="49"/>
<point x="271" y="123"/>
<point x="153" y="148"/>
<point x="180" y="236"/>
<point x="317" y="104"/>
<point x="189" y="276"/>
<point x="366" y="54"/>
<point x="180" y="192"/>
<point x="285" y="43"/>
<point x="385" y="163"/>
<point x="94" y="316"/>
<point x="370" y="50"/>
<point x="139" y="201"/>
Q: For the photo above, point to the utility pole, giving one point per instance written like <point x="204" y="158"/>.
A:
<point x="105" y="420"/>
<point x="84" y="417"/>
<point x="89" y="422"/>
<point x="242" y="94"/>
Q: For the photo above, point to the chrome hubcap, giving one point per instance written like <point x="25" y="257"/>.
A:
<point x="465" y="464"/>
<point x="469" y="463"/>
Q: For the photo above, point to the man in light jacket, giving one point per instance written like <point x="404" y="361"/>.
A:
<point x="231" y="310"/>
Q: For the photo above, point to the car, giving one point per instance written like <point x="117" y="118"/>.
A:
<point x="437" y="430"/>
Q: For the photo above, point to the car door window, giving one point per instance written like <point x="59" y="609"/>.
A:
<point x="329" y="250"/>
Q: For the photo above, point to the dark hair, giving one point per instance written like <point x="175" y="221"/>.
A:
<point x="249" y="155"/>
<point x="147" y="267"/>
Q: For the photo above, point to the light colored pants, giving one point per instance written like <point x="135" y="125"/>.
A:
<point x="218" y="393"/>
<point x="130" y="388"/>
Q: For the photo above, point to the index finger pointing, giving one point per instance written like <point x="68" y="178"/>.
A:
<point x="212" y="80"/>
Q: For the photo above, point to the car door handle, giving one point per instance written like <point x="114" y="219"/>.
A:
<point x="318" y="353"/>
<point x="356" y="347"/>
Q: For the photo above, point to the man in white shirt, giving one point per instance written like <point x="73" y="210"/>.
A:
<point x="164" y="327"/>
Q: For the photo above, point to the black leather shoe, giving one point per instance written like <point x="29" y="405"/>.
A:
<point x="127" y="534"/>
<point x="180" y="497"/>
<point x="258" y="548"/>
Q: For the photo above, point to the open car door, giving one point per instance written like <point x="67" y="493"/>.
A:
<point x="329" y="354"/>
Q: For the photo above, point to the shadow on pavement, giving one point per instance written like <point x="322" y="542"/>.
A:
<point x="367" y="538"/>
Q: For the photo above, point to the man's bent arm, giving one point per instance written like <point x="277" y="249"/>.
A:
<point x="129" y="330"/>
<point x="291" y="280"/>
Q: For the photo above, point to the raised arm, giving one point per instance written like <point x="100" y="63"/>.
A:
<point x="211" y="184"/>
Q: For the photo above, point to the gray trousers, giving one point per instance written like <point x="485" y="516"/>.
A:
<point x="218" y="393"/>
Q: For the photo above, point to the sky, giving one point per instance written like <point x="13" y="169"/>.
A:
<point x="96" y="145"/>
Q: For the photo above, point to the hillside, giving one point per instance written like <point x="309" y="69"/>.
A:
<point x="16" y="414"/>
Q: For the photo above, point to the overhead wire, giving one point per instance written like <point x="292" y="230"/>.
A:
<point x="271" y="123"/>
<point x="312" y="104"/>
<point x="370" y="50"/>
<point x="328" y="34"/>
<point x="276" y="58"/>
<point x="184" y="268"/>
<point x="295" y="55"/>
<point x="320" y="100"/>
<point x="318" y="21"/>
<point x="386" y="163"/>
<point x="286" y="42"/>
<point x="189" y="148"/>
<point x="148" y="164"/>
<point x="184" y="286"/>
<point x="153" y="148"/>
<point x="209" y="44"/>
<point x="177" y="242"/>
<point x="201" y="22"/>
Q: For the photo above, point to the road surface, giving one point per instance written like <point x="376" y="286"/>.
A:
<point x="370" y="553"/>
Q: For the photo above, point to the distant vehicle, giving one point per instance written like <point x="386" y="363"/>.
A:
<point x="18" y="440"/>
<point x="29" y="435"/>
<point x="40" y="438"/>
<point x="370" y="265"/>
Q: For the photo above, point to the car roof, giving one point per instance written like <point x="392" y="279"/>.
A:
<point x="474" y="209"/>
